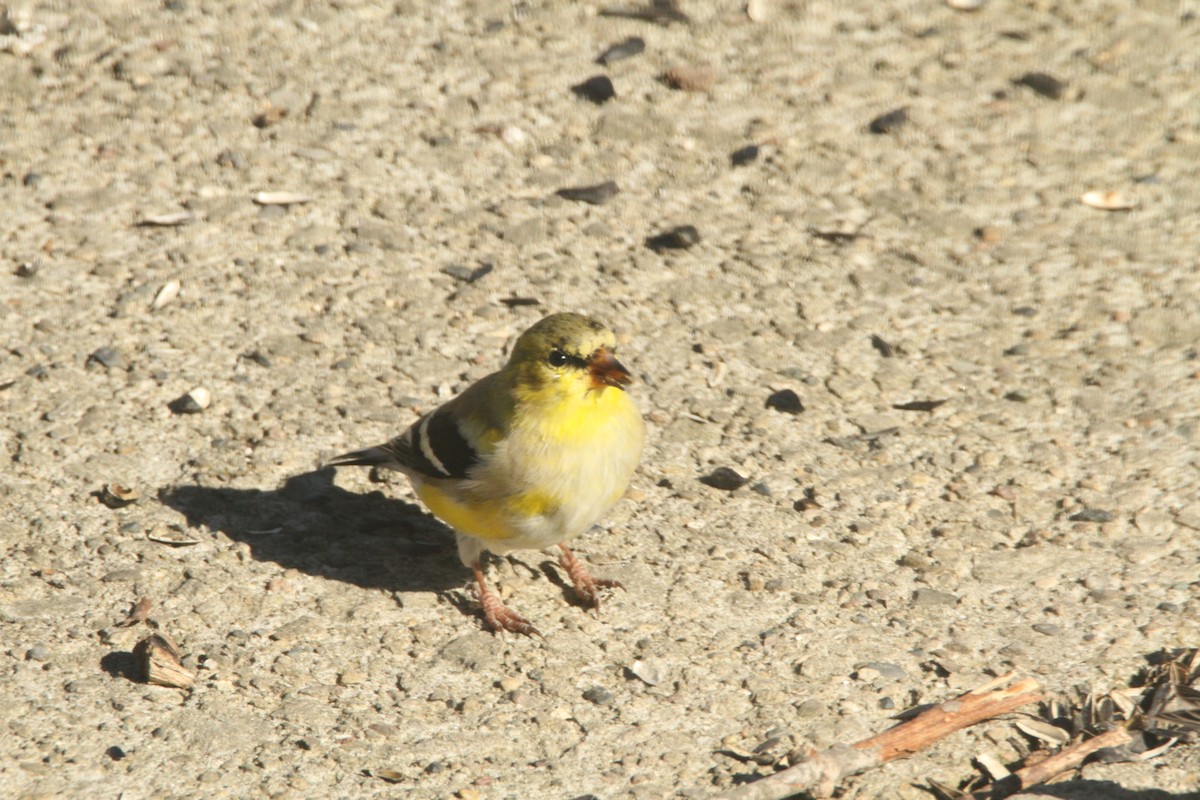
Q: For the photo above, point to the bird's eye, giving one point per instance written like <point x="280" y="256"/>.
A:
<point x="558" y="358"/>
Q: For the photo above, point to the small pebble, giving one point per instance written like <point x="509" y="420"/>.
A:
<point x="28" y="269"/>
<point x="115" y="753"/>
<point x="785" y="400"/>
<point x="887" y="670"/>
<point x="106" y="357"/>
<point x="193" y="402"/>
<point x="1044" y="84"/>
<point x="592" y="195"/>
<point x="38" y="653"/>
<point x="679" y="238"/>
<point x="1047" y="628"/>
<point x="31" y="179"/>
<point x="725" y="479"/>
<point x="1092" y="515"/>
<point x="691" y="79"/>
<point x="122" y="575"/>
<point x="598" y="695"/>
<point x="891" y="121"/>
<point x="231" y="158"/>
<point x="633" y="46"/>
<point x="745" y="155"/>
<point x="933" y="597"/>
<point x="598" y="89"/>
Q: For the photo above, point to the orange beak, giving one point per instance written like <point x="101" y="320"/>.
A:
<point x="607" y="371"/>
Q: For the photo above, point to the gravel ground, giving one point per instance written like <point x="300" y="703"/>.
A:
<point x="1043" y="518"/>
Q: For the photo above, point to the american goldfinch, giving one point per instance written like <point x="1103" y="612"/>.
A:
<point x="527" y="457"/>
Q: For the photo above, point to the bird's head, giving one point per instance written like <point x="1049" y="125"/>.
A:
<point x="569" y="350"/>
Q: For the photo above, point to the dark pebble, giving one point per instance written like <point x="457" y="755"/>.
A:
<point x="744" y="156"/>
<point x="1092" y="515"/>
<point x="598" y="695"/>
<point x="28" y="269"/>
<point x="592" y="195"/>
<point x="679" y="238"/>
<point x="115" y="753"/>
<point x="662" y="12"/>
<point x="633" y="46"/>
<point x="1043" y="84"/>
<point x="258" y="358"/>
<point x="106" y="357"/>
<point x="887" y="703"/>
<point x="31" y="179"/>
<point x="1016" y="397"/>
<point x="882" y="346"/>
<point x="598" y="89"/>
<point x="186" y="404"/>
<point x="1025" y="311"/>
<point x="725" y="479"/>
<point x="1017" y="350"/>
<point x="39" y="371"/>
<point x="892" y="120"/>
<point x="785" y="400"/>
<point x="515" y="302"/>
<point x="1172" y="608"/>
<point x="919" y="405"/>
<point x="467" y="274"/>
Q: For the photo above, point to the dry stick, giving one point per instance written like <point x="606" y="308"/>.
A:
<point x="1047" y="768"/>
<point x="821" y="772"/>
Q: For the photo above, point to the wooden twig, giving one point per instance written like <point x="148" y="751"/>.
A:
<point x="820" y="773"/>
<point x="160" y="663"/>
<point x="1047" y="768"/>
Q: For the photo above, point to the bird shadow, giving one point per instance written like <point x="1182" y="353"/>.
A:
<point x="311" y="525"/>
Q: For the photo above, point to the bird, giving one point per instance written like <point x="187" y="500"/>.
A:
<point x="527" y="457"/>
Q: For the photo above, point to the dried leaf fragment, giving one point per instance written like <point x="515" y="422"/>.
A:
<point x="117" y="496"/>
<point x="1044" y="731"/>
<point x="1109" y="200"/>
<point x="139" y="613"/>
<point x="166" y="294"/>
<point x="168" y="220"/>
<point x="281" y="198"/>
<point x="158" y="662"/>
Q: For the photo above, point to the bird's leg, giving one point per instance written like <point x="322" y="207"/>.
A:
<point x="586" y="586"/>
<point x="498" y="616"/>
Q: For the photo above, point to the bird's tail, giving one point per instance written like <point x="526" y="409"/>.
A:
<point x="367" y="457"/>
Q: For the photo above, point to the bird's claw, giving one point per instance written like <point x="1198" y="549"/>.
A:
<point x="500" y="617"/>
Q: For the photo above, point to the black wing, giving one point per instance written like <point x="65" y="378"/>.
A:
<point x="432" y="447"/>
